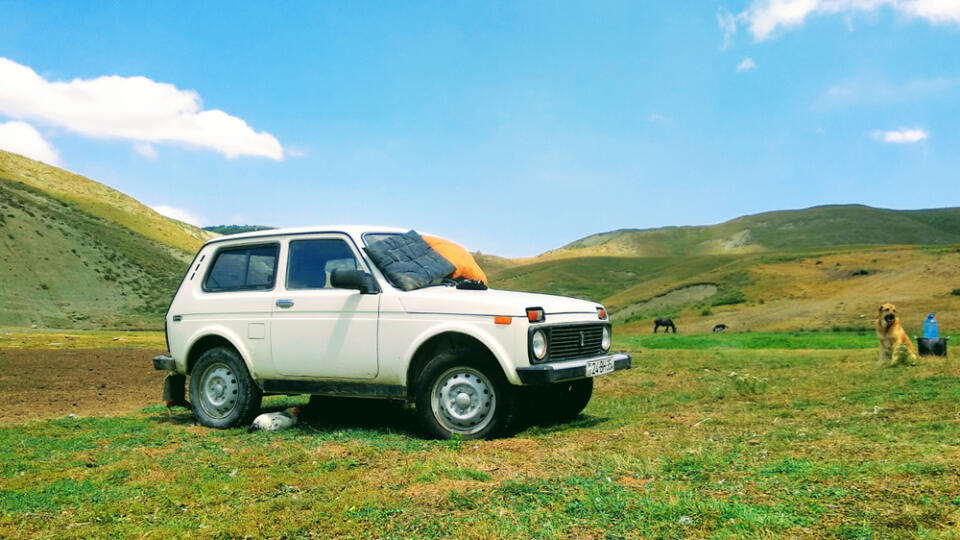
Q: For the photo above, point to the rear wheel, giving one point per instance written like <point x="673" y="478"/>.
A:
<point x="222" y="393"/>
<point x="462" y="393"/>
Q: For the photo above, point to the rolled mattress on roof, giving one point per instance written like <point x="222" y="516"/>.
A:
<point x="411" y="261"/>
<point x="408" y="261"/>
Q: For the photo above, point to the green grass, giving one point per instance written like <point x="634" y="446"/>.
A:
<point x="829" y="446"/>
<point x="77" y="339"/>
<point x="752" y="340"/>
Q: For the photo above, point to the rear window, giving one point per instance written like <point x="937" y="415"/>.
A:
<point x="248" y="268"/>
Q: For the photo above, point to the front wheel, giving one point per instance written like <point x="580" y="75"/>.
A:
<point x="461" y="393"/>
<point x="222" y="393"/>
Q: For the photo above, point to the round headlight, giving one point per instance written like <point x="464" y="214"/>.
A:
<point x="605" y="342"/>
<point x="539" y="345"/>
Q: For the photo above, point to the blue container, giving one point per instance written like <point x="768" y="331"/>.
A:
<point x="930" y="327"/>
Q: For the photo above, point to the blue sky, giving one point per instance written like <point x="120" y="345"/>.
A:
<point x="512" y="128"/>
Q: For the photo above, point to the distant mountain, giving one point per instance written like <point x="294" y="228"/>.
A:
<point x="820" y="226"/>
<point x="236" y="229"/>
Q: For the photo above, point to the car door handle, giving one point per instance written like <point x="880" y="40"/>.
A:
<point x="284" y="304"/>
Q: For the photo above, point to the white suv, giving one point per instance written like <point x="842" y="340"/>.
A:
<point x="305" y="311"/>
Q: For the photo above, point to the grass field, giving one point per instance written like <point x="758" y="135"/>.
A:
<point x="755" y="340"/>
<point x="17" y="338"/>
<point x="746" y="439"/>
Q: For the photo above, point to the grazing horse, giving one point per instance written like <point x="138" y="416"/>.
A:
<point x="667" y="324"/>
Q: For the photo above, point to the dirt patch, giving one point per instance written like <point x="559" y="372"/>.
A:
<point x="37" y="384"/>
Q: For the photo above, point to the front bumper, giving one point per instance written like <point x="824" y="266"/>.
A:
<point x="569" y="370"/>
<point x="164" y="362"/>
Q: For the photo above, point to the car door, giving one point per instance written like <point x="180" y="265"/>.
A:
<point x="317" y="330"/>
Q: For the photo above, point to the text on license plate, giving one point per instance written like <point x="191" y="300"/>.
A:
<point x="599" y="367"/>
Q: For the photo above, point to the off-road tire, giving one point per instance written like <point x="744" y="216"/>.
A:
<point x="222" y="393"/>
<point x="464" y="393"/>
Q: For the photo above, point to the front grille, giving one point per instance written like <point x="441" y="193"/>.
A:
<point x="575" y="341"/>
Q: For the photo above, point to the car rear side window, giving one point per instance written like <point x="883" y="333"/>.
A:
<point x="310" y="262"/>
<point x="247" y="268"/>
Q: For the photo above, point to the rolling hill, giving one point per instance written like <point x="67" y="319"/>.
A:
<point x="817" y="227"/>
<point x="822" y="267"/>
<point x="76" y="254"/>
<point x="100" y="201"/>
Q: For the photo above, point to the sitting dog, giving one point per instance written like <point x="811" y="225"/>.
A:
<point x="895" y="346"/>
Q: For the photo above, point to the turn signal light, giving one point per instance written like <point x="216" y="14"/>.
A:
<point x="502" y="320"/>
<point x="601" y="313"/>
<point x="535" y="314"/>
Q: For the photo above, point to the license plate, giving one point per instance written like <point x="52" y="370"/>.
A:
<point x="599" y="367"/>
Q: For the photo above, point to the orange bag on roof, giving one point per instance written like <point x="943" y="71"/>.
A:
<point x="467" y="267"/>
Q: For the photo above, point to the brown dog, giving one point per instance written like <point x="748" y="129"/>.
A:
<point x="895" y="345"/>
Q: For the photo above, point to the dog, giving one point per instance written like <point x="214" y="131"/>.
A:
<point x="895" y="346"/>
<point x="667" y="324"/>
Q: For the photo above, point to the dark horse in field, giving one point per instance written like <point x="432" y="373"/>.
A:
<point x="667" y="324"/>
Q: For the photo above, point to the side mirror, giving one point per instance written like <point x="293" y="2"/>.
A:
<point x="341" y="278"/>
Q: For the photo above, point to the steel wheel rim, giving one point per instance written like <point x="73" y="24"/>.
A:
<point x="219" y="389"/>
<point x="463" y="400"/>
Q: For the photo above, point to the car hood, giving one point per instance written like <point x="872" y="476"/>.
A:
<point x="489" y="302"/>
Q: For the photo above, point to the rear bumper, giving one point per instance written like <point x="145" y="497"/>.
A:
<point x="570" y="370"/>
<point x="164" y="362"/>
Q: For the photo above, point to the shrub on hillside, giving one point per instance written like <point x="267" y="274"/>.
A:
<point x="955" y="292"/>
<point x="730" y="298"/>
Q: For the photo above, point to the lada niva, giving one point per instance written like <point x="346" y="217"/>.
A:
<point x="305" y="311"/>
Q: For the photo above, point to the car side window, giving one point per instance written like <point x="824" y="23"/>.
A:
<point x="247" y="268"/>
<point x="310" y="262"/>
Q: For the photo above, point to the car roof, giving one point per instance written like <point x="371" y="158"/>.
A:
<point x="356" y="231"/>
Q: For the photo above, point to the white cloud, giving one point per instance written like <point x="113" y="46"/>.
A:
<point x="728" y="24"/>
<point x="145" y="150"/>
<point x="295" y="152"/>
<point x="746" y="65"/>
<point x="901" y="136"/>
<point x="133" y="108"/>
<point x="764" y="17"/>
<point x="178" y="214"/>
<point x="22" y="138"/>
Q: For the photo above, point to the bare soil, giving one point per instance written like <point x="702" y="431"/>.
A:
<point x="38" y="384"/>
